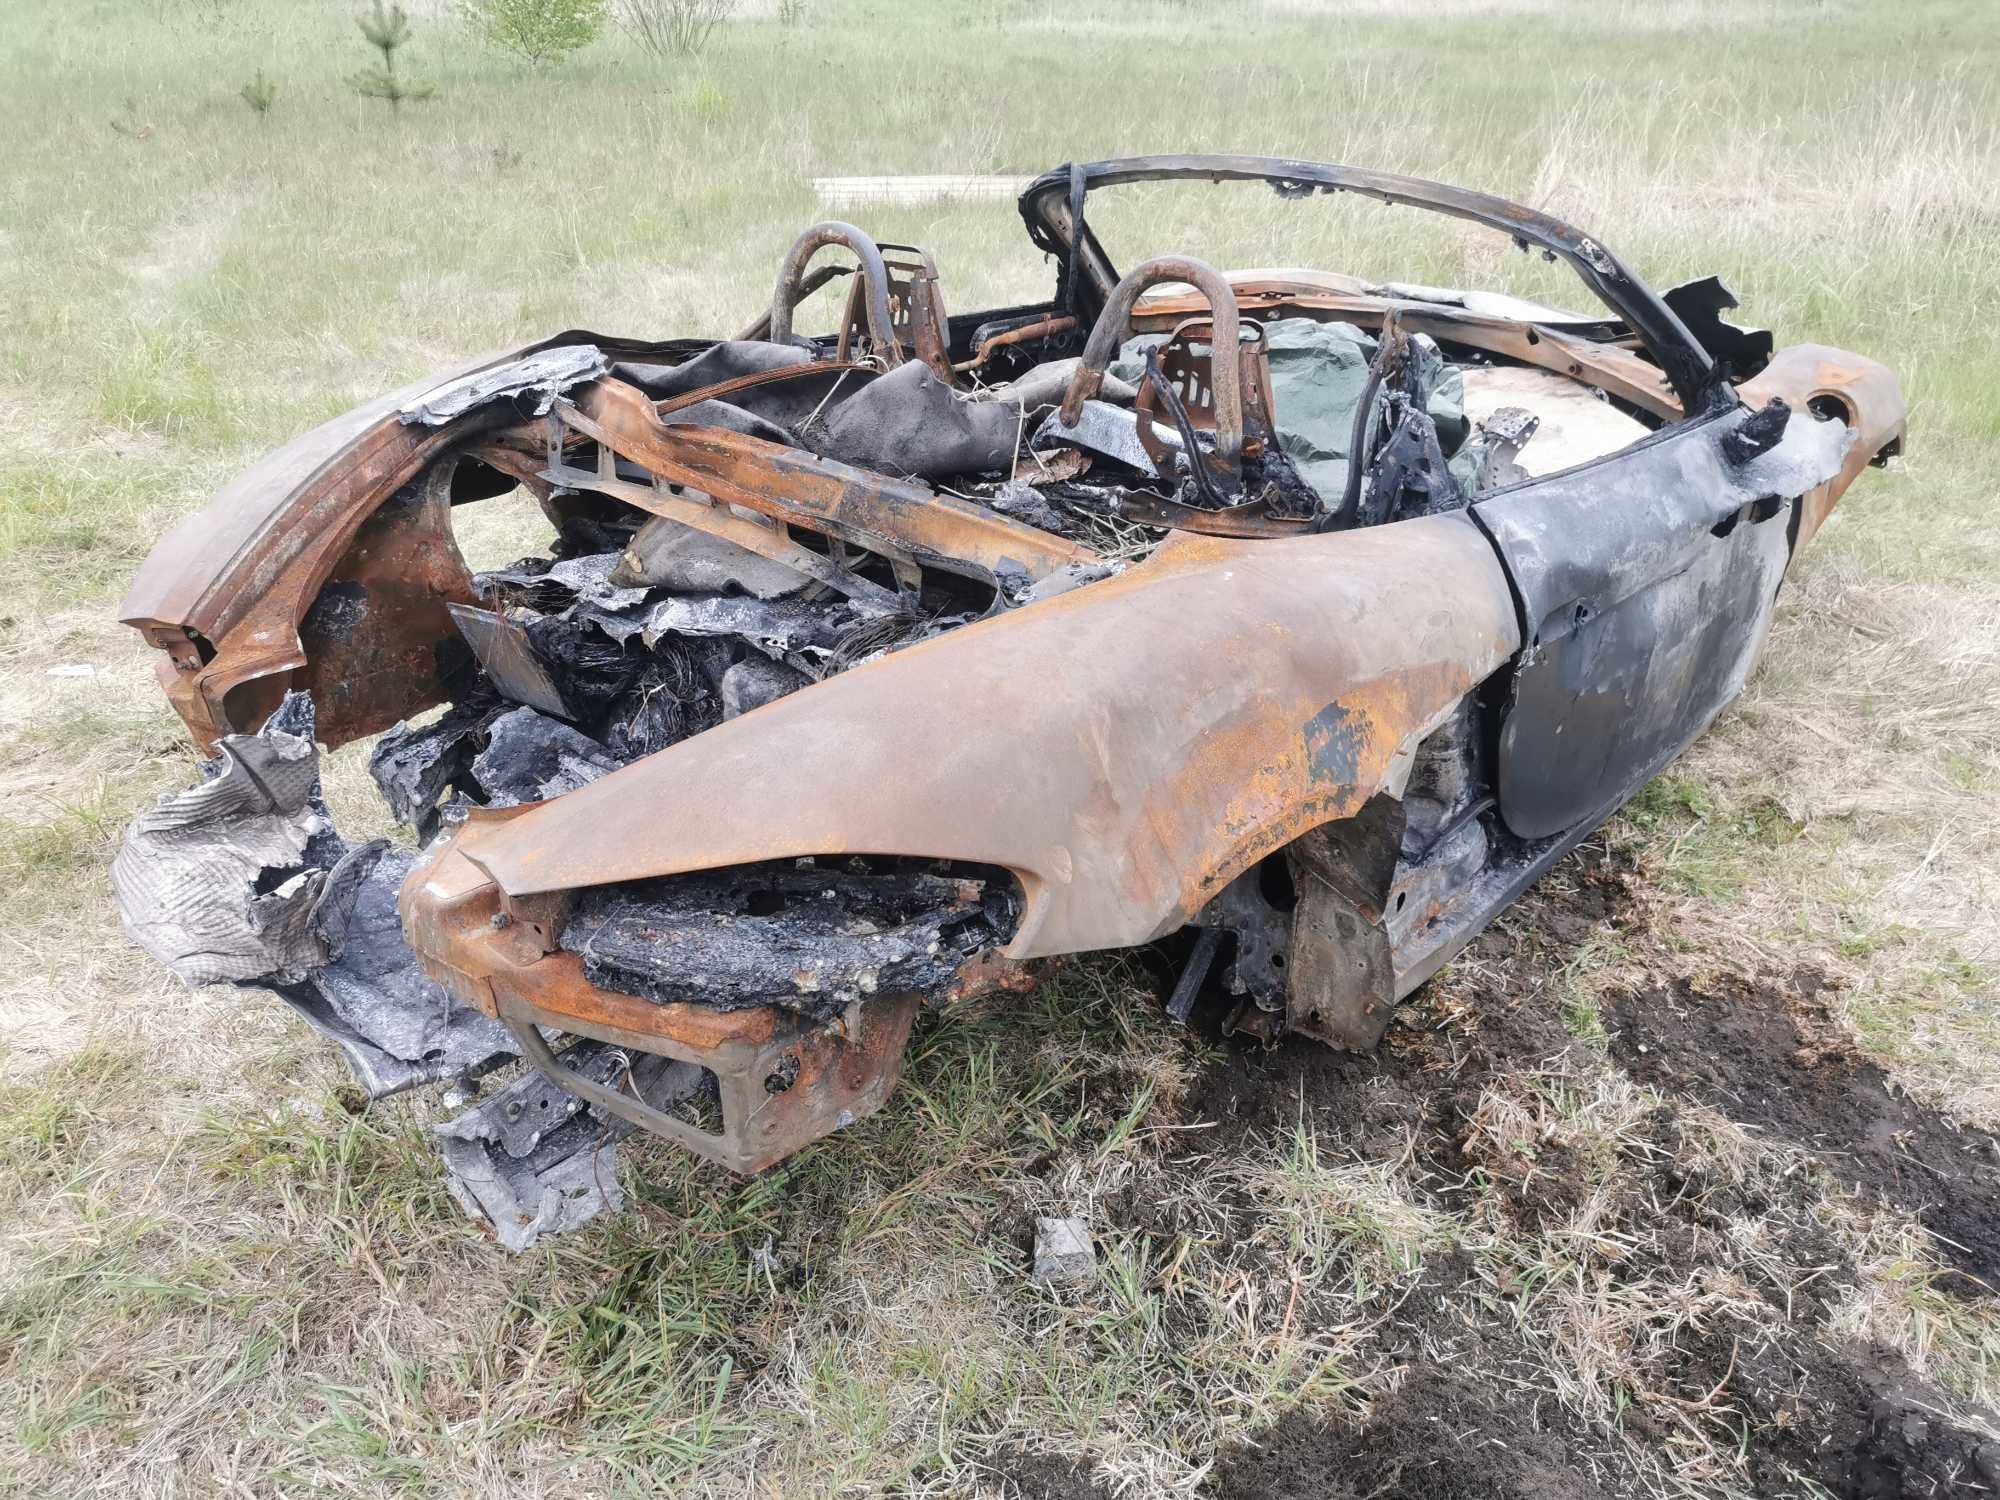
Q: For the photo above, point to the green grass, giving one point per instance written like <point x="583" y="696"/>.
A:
<point x="217" y="1279"/>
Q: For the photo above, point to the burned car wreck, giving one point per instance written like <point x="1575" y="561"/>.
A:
<point x="1314" y="615"/>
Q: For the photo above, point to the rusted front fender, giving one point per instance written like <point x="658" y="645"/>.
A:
<point x="1861" y="392"/>
<point x="301" y="573"/>
<point x="1125" y="749"/>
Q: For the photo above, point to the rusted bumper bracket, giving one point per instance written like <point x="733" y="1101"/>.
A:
<point x="783" y="1080"/>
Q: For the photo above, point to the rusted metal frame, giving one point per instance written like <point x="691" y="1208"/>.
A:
<point x="758" y="329"/>
<point x="517" y="465"/>
<point x="722" y="390"/>
<point x="528" y="1038"/>
<point x="1114" y="326"/>
<point x="767" y="541"/>
<point x="1689" y="370"/>
<point x="1251" y="519"/>
<point x="1186" y="371"/>
<point x="784" y="1080"/>
<point x="916" y="305"/>
<point x="1341" y="978"/>
<point x="869" y="510"/>
<point x="1027" y="333"/>
<point x="1610" y="367"/>
<point x="874" y="281"/>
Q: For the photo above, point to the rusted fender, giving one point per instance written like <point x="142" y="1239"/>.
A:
<point x="241" y="573"/>
<point x="1863" y="393"/>
<point x="1125" y="749"/>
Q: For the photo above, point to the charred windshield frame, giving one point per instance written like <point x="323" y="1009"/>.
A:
<point x="1053" y="209"/>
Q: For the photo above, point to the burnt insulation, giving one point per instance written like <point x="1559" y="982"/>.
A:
<point x="813" y="937"/>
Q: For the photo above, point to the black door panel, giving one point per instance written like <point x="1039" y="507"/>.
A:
<point x="1646" y="583"/>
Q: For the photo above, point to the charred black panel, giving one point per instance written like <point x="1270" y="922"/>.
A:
<point x="1738" y="353"/>
<point x="1646" y="583"/>
<point x="808" y="935"/>
<point x="1627" y="687"/>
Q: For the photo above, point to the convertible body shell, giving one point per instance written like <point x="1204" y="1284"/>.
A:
<point x="1129" y="752"/>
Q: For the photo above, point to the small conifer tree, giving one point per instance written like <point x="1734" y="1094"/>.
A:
<point x="386" y="29"/>
<point x="259" y="93"/>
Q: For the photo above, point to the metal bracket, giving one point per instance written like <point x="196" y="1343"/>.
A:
<point x="529" y="1039"/>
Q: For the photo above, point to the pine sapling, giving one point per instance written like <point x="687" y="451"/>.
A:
<point x="386" y="30"/>
<point x="259" y="93"/>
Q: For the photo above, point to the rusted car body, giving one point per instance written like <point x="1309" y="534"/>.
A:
<point x="1108" y="660"/>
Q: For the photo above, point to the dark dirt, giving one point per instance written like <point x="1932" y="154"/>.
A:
<point x="1044" y="1476"/>
<point x="1768" y="1054"/>
<point x="1853" y="1420"/>
<point x="1441" y="1437"/>
<point x="1804" y="1408"/>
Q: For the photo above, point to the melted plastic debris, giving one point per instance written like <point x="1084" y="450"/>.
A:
<point x="549" y="586"/>
<point x="667" y="554"/>
<point x="413" y="765"/>
<point x="397" y="1027"/>
<point x="219" y="882"/>
<point x="535" y="1159"/>
<point x="1106" y="431"/>
<point x="243" y="879"/>
<point x="533" y="383"/>
<point x="530" y="757"/>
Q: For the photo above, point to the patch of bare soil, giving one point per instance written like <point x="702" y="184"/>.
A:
<point x="1044" y="1476"/>
<point x="1702" y="1290"/>
<point x="1855" y="1422"/>
<point x="1440" y="1437"/>
<point x="1769" y="1055"/>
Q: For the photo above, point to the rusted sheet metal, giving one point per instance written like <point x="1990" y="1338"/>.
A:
<point x="241" y="574"/>
<point x="1124" y="749"/>
<point x="850" y="503"/>
<point x="301" y="500"/>
<point x="295" y="501"/>
<point x="251" y="608"/>
<point x="377" y="636"/>
<point x="1864" y="394"/>
<point x="357" y="618"/>
<point x="783" y="1080"/>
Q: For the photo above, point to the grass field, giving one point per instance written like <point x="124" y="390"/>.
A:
<point x="215" y="1279"/>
